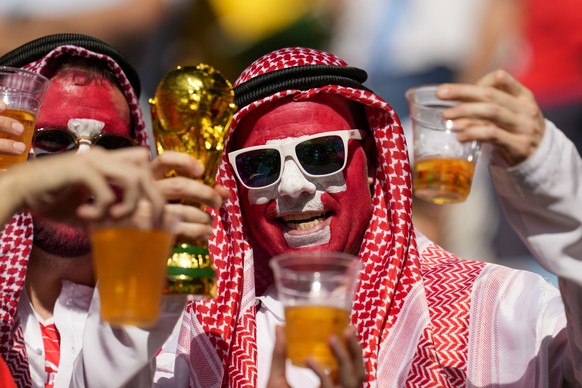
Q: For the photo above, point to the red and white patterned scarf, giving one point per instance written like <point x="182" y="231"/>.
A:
<point x="16" y="238"/>
<point x="218" y="337"/>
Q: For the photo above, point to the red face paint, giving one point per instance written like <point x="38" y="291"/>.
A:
<point x="300" y="212"/>
<point x="73" y="94"/>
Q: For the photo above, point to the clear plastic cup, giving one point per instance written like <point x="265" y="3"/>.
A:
<point x="316" y="289"/>
<point x="443" y="167"/>
<point x="22" y="91"/>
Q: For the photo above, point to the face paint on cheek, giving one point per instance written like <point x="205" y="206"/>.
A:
<point x="261" y="196"/>
<point x="290" y="205"/>
<point x="335" y="183"/>
<point x="313" y="233"/>
<point x="331" y="184"/>
<point x="354" y="208"/>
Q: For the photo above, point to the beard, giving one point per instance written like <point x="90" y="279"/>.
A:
<point x="60" y="240"/>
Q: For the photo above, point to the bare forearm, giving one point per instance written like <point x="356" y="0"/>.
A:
<point x="11" y="199"/>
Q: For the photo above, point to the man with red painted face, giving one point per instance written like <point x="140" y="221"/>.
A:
<point x="316" y="161"/>
<point x="51" y="333"/>
<point x="298" y="211"/>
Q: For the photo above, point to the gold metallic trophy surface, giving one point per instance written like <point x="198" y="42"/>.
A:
<point x="191" y="112"/>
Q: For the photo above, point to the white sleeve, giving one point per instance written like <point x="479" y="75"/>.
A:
<point x="517" y="332"/>
<point x="542" y="198"/>
<point x="112" y="356"/>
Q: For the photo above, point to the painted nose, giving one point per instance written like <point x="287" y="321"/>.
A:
<point x="293" y="183"/>
<point x="84" y="146"/>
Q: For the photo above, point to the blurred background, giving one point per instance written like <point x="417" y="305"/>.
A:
<point x="400" y="43"/>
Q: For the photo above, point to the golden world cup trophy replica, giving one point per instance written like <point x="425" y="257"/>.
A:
<point x="191" y="112"/>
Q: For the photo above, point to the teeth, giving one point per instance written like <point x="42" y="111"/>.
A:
<point x="303" y="221"/>
<point x="302" y="217"/>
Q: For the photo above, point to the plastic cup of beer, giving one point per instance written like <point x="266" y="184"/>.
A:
<point x="316" y="289"/>
<point x="130" y="258"/>
<point x="22" y="91"/>
<point x="443" y="167"/>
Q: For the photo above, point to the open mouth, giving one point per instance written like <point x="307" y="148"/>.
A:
<point x="304" y="221"/>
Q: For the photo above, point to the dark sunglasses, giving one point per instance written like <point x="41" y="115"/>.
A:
<point x="317" y="156"/>
<point x="50" y="141"/>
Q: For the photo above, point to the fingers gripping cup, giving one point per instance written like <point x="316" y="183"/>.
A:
<point x="443" y="167"/>
<point x="22" y="91"/>
<point x="316" y="289"/>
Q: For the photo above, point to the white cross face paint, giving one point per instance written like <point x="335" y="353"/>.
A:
<point x="298" y="202"/>
<point x="85" y="129"/>
<point x="294" y="182"/>
<point x="330" y="184"/>
<point x="305" y="220"/>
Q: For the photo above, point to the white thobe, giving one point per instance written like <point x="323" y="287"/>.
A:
<point x="93" y="353"/>
<point x="542" y="198"/>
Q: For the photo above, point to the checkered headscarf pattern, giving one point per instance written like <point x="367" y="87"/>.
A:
<point x="16" y="238"/>
<point x="388" y="252"/>
<point x="16" y="243"/>
<point x="139" y="130"/>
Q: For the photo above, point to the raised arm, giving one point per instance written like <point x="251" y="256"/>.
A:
<point x="536" y="171"/>
<point x="58" y="186"/>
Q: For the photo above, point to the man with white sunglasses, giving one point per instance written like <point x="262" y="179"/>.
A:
<point x="319" y="162"/>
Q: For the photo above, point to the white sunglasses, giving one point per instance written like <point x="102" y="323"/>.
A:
<point x="316" y="155"/>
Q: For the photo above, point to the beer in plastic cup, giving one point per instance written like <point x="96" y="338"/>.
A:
<point x="22" y="91"/>
<point x="316" y="289"/>
<point x="130" y="259"/>
<point x="443" y="167"/>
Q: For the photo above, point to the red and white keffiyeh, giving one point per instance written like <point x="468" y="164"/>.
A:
<point x="218" y="337"/>
<point x="17" y="237"/>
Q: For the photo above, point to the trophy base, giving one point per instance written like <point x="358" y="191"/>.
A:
<point x="190" y="271"/>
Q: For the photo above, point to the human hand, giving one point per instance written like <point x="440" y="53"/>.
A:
<point x="352" y="372"/>
<point x="496" y="110"/>
<point x="186" y="194"/>
<point x="11" y="127"/>
<point x="77" y="188"/>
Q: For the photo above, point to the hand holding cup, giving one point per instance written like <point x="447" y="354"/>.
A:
<point x="21" y="95"/>
<point x="77" y="188"/>
<point x="443" y="166"/>
<point x="497" y="110"/>
<point x="130" y="256"/>
<point x="316" y="289"/>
